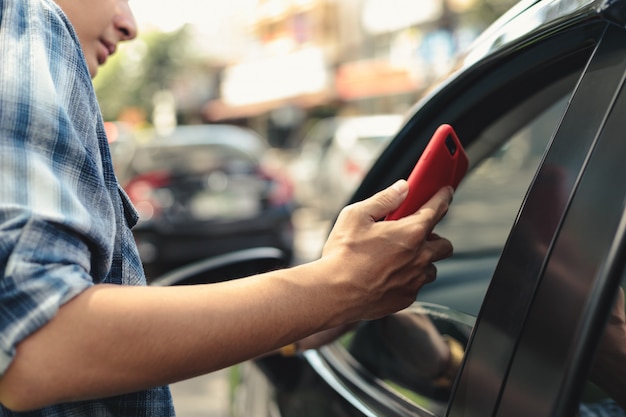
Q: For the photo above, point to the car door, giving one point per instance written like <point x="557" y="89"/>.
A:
<point x="537" y="349"/>
<point x="546" y="97"/>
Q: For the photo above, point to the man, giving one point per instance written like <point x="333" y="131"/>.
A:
<point x="80" y="333"/>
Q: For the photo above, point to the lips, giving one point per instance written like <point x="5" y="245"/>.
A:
<point x="105" y="49"/>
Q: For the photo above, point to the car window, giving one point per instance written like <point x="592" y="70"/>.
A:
<point x="487" y="201"/>
<point x="484" y="209"/>
<point x="416" y="352"/>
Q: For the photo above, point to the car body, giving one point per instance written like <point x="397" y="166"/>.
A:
<point x="202" y="191"/>
<point x="538" y="224"/>
<point x="335" y="155"/>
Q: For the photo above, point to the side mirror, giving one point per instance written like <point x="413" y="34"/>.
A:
<point x="232" y="265"/>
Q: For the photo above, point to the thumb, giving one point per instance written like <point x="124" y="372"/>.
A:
<point x="387" y="200"/>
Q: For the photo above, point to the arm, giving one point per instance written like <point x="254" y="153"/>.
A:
<point x="112" y="339"/>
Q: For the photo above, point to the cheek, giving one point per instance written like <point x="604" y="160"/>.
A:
<point x="91" y="23"/>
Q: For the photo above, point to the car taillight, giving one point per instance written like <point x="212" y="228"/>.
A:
<point x="142" y="191"/>
<point x="281" y="191"/>
<point x="353" y="168"/>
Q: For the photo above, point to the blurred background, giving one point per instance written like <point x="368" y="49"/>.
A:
<point x="244" y="123"/>
<point x="313" y="90"/>
<point x="278" y="65"/>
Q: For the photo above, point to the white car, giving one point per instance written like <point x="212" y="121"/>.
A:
<point x="335" y="155"/>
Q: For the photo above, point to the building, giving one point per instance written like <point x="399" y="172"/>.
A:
<point x="312" y="58"/>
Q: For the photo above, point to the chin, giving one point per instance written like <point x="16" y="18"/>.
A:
<point x="93" y="70"/>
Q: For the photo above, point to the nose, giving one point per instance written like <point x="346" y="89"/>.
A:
<point x="125" y="21"/>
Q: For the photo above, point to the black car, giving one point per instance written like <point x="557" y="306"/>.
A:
<point x="539" y="228"/>
<point x="205" y="190"/>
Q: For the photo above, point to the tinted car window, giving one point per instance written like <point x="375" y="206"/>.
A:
<point x="484" y="209"/>
<point x="486" y="203"/>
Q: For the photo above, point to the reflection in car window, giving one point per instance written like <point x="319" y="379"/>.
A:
<point x="417" y="351"/>
<point x="605" y="393"/>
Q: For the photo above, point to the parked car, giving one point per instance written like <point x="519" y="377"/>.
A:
<point x="539" y="228"/>
<point x="205" y="190"/>
<point x="335" y="155"/>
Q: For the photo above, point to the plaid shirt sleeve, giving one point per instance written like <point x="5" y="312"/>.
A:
<point x="64" y="221"/>
<point x="47" y="226"/>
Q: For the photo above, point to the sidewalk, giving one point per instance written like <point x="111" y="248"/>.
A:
<point x="204" y="396"/>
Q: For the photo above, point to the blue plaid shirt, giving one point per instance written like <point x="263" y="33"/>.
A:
<point x="64" y="221"/>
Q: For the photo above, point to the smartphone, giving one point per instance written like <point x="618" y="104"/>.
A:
<point x="443" y="162"/>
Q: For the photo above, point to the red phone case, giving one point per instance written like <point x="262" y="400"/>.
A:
<point x="443" y="162"/>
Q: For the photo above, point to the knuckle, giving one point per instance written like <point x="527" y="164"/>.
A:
<point x="348" y="210"/>
<point x="416" y="234"/>
<point x="384" y="200"/>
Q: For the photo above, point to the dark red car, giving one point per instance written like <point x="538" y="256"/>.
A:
<point x="205" y="190"/>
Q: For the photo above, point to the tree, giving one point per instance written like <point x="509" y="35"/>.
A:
<point x="143" y="67"/>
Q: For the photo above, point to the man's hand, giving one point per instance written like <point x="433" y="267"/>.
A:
<point x="385" y="263"/>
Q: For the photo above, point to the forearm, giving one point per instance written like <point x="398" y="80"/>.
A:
<point x="183" y="332"/>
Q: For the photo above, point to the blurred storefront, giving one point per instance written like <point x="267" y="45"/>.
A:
<point x="308" y="58"/>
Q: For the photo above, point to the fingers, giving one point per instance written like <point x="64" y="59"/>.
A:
<point x="387" y="200"/>
<point x="387" y="262"/>
<point x="440" y="248"/>
<point x="429" y="253"/>
<point x="436" y="207"/>
<point x="418" y="227"/>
